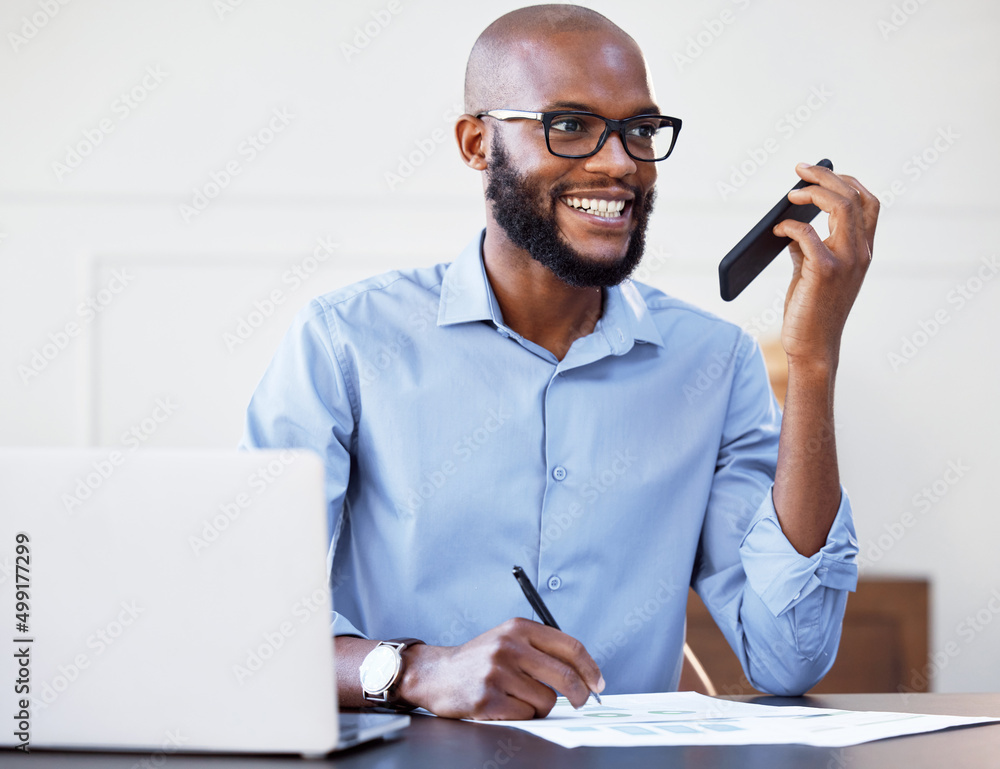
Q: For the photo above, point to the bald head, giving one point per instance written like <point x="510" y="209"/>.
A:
<point x="505" y="48"/>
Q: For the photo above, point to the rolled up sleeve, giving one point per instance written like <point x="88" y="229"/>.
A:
<point x="781" y="611"/>
<point x="805" y="596"/>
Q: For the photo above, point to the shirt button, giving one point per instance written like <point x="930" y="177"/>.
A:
<point x="559" y="473"/>
<point x="554" y="582"/>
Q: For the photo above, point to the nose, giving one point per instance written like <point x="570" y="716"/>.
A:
<point x="611" y="158"/>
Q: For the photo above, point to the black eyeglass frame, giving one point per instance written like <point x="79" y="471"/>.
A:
<point x="546" y="119"/>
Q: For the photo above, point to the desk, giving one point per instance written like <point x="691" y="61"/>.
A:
<point x="438" y="743"/>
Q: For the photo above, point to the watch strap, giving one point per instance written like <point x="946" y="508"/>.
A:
<point x="405" y="641"/>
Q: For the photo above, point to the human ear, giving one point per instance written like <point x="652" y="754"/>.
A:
<point x="470" y="134"/>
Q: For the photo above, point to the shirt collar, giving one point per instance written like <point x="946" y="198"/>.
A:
<point x="626" y="318"/>
<point x="466" y="295"/>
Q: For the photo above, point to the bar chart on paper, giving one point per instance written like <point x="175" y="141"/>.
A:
<point x="688" y="718"/>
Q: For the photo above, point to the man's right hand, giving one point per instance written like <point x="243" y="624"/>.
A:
<point x="506" y="673"/>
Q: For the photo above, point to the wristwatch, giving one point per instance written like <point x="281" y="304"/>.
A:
<point x="383" y="668"/>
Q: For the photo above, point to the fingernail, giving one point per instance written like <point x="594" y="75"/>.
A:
<point x="600" y="685"/>
<point x="803" y="165"/>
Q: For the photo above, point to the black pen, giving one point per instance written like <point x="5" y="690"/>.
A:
<point x="540" y="608"/>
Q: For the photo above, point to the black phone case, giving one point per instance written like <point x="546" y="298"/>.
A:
<point x="758" y="248"/>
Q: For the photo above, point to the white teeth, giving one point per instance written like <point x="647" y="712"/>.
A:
<point x="606" y="208"/>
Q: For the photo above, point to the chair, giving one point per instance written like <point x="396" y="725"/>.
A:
<point x="694" y="678"/>
<point x="883" y="646"/>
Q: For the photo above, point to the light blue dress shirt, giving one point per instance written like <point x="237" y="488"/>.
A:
<point x="639" y="464"/>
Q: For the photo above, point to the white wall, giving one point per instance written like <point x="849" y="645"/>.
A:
<point x="887" y="94"/>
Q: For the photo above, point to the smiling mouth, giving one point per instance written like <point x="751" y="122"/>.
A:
<point x="608" y="209"/>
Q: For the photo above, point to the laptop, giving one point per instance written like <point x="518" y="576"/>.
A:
<point x="169" y="601"/>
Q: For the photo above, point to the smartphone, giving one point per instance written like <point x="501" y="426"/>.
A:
<point x="759" y="246"/>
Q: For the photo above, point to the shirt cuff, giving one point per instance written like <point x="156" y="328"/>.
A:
<point x="782" y="576"/>
<point x="343" y="626"/>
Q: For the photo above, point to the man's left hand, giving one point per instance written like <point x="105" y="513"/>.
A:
<point x="827" y="274"/>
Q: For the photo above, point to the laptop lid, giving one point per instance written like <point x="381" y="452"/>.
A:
<point x="166" y="601"/>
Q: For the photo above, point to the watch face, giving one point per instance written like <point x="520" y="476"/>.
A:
<point x="379" y="669"/>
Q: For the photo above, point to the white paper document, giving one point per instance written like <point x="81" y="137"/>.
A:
<point x="688" y="718"/>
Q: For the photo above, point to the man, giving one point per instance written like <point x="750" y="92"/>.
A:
<point x="528" y="405"/>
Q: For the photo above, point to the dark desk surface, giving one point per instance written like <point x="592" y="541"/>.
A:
<point x="442" y="744"/>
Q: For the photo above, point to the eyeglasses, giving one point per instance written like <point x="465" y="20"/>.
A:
<point x="573" y="134"/>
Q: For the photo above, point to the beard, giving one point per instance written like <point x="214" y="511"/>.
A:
<point x="528" y="218"/>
